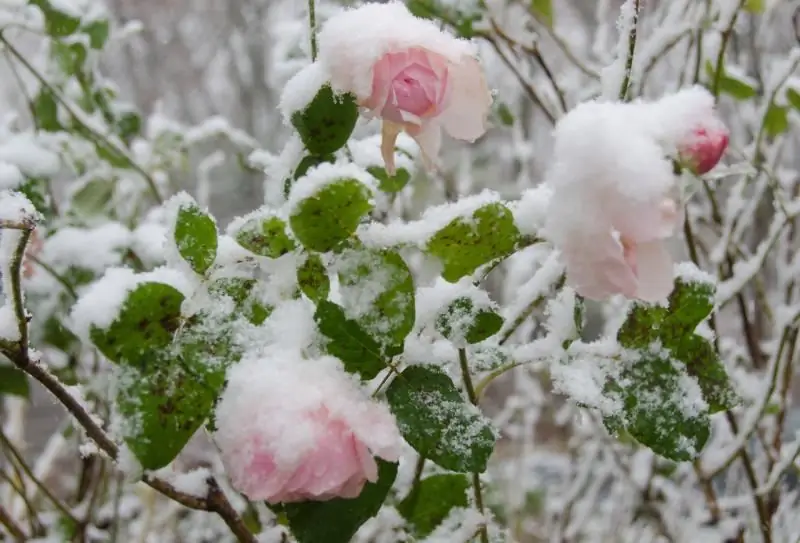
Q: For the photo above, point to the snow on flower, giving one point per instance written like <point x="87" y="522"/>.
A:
<point x="409" y="73"/>
<point x="614" y="200"/>
<point x="291" y="429"/>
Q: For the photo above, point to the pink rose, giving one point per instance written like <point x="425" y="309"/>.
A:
<point x="405" y="70"/>
<point x="704" y="147"/>
<point x="291" y="430"/>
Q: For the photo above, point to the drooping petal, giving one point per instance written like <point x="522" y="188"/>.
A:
<point x="597" y="269"/>
<point x="389" y="132"/>
<point x="654" y="275"/>
<point x="468" y="101"/>
<point x="429" y="139"/>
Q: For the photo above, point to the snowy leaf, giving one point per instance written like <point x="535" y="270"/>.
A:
<point x="348" y="341"/>
<point x="92" y="198"/>
<point x="390" y="183"/>
<point x="13" y="382"/>
<point x="793" y="97"/>
<point x="543" y="10"/>
<point x="307" y="162"/>
<point x="326" y="123"/>
<point x="776" y="120"/>
<point x="58" y="24"/>
<point x="45" y="111"/>
<point x="338" y="520"/>
<point x="656" y="410"/>
<point x="378" y="290"/>
<point x="738" y="89"/>
<point x="128" y="125"/>
<point x="146" y="323"/>
<point x="265" y="237"/>
<point x="429" y="503"/>
<point x="240" y="289"/>
<point x="312" y="277"/>
<point x="331" y="215"/>
<point x="165" y="405"/>
<point x="461" y="319"/>
<point x="196" y="237"/>
<point x="689" y="304"/>
<point x="436" y="420"/>
<point x="98" y="32"/>
<point x="465" y="245"/>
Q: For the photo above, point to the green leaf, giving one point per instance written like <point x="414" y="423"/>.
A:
<point x="327" y="122"/>
<point x="92" y="198"/>
<point x="754" y="6"/>
<point x="429" y="503"/>
<point x="13" y="382"/>
<point x="655" y="409"/>
<point x="436" y="420"/>
<point x="71" y="58"/>
<point x="265" y="237"/>
<point x="128" y="125"/>
<point x="45" y="110"/>
<point x="776" y="120"/>
<point x="736" y="88"/>
<point x="165" y="405"/>
<point x="196" y="237"/>
<point x="308" y="162"/>
<point x="57" y="23"/>
<point x="381" y="287"/>
<point x="98" y="32"/>
<point x="390" y="183"/>
<point x="240" y="290"/>
<point x="504" y="114"/>
<point x="462" y="321"/>
<point x="348" y="341"/>
<point x="338" y="520"/>
<point x="313" y="278"/>
<point x="145" y="325"/>
<point x="793" y="98"/>
<point x="323" y="221"/>
<point x="543" y="11"/>
<point x="464" y="245"/>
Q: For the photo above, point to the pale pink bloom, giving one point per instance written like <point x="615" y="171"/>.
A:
<point x="704" y="147"/>
<point x="294" y="430"/>
<point x="409" y="73"/>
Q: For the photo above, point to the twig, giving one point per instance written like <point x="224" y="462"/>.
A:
<point x="726" y="36"/>
<point x="626" y="81"/>
<point x="312" y="27"/>
<point x="13" y="528"/>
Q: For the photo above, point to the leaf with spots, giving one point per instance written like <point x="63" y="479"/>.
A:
<point x="378" y="292"/>
<point x="323" y="221"/>
<point x="436" y="420"/>
<point x="466" y="244"/>
<point x="348" y="341"/>
<point x="196" y="237"/>
<point x="312" y="277"/>
<point x="462" y="322"/>
<point x="265" y="237"/>
<point x="241" y="291"/>
<point x="326" y="123"/>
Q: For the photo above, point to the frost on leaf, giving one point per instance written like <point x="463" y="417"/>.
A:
<point x="464" y="245"/>
<point x="462" y="321"/>
<point x="312" y="278"/>
<point x="195" y="237"/>
<point x="436" y="420"/>
<point x="346" y="340"/>
<point x="377" y="291"/>
<point x="429" y="503"/>
<point x="325" y="219"/>
<point x="265" y="236"/>
<point x="338" y="520"/>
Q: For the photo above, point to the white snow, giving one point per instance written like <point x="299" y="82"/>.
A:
<point x="10" y="176"/>
<point x="15" y="207"/>
<point x="94" y="249"/>
<point x="319" y="177"/>
<point x="9" y="329"/>
<point x="27" y="154"/>
<point x="301" y="89"/>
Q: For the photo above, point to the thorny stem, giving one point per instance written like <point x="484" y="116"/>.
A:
<point x="312" y="27"/>
<point x="214" y="501"/>
<point x="93" y="134"/>
<point x="626" y="82"/>
<point x="476" y="477"/>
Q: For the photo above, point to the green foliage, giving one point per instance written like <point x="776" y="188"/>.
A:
<point x="196" y="237"/>
<point x="652" y="386"/>
<point x="327" y="122"/>
<point x="436" y="420"/>
<point x="736" y="88"/>
<point x="266" y="237"/>
<point x="390" y="183"/>
<point x="359" y="352"/>
<point x="793" y="97"/>
<point x="464" y="245"/>
<point x="312" y="277"/>
<point x="429" y="503"/>
<point x="98" y="32"/>
<point x="338" y="520"/>
<point x="326" y="219"/>
<point x="462" y="321"/>
<point x="45" y="111"/>
<point x="58" y="24"/>
<point x="92" y="198"/>
<point x="754" y="6"/>
<point x="383" y="287"/>
<point x="13" y="382"/>
<point x="461" y="21"/>
<point x="543" y="11"/>
<point x="776" y="120"/>
<point x="240" y="290"/>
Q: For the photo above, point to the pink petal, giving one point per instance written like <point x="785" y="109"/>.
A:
<point x="429" y="139"/>
<point x="468" y="101"/>
<point x="596" y="268"/>
<point x="655" y="272"/>
<point x="389" y="133"/>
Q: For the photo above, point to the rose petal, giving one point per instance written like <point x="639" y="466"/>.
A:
<point x="468" y="101"/>
<point x="655" y="271"/>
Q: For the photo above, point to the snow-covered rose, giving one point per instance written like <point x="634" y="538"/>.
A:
<point x="405" y="70"/>
<point x="291" y="429"/>
<point x="614" y="201"/>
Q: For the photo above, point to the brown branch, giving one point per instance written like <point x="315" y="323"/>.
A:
<point x="13" y="528"/>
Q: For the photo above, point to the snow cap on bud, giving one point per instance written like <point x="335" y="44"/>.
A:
<point x="291" y="429"/>
<point x="409" y="73"/>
